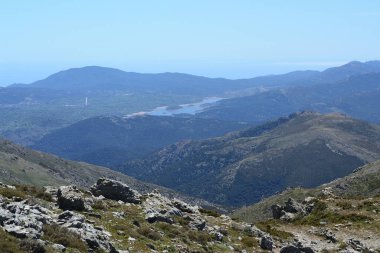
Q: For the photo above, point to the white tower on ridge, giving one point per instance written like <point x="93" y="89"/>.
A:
<point x="86" y="101"/>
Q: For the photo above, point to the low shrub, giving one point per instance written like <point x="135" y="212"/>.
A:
<point x="61" y="235"/>
<point x="274" y="231"/>
<point x="35" y="191"/>
<point x="9" y="244"/>
<point x="10" y="193"/>
<point x="248" y="241"/>
<point x="208" y="212"/>
<point x="149" y="233"/>
<point x="198" y="236"/>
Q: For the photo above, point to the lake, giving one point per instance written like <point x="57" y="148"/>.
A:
<point x="191" y="108"/>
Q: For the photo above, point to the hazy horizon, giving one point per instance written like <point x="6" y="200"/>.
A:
<point x="239" y="39"/>
<point x="337" y="64"/>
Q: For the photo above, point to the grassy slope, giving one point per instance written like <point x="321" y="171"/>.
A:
<point x="25" y="166"/>
<point x="361" y="184"/>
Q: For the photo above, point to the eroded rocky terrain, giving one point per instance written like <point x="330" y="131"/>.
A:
<point x="112" y="217"/>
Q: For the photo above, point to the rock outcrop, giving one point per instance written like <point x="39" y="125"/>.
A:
<point x="96" y="238"/>
<point x="160" y="208"/>
<point x="292" y="209"/>
<point x="24" y="220"/>
<point x="115" y="190"/>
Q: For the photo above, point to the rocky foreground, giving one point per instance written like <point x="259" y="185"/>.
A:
<point x="112" y="217"/>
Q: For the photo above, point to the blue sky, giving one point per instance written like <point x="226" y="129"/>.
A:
<point x="234" y="39"/>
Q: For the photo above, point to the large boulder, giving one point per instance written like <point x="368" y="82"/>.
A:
<point x="115" y="190"/>
<point x="70" y="198"/>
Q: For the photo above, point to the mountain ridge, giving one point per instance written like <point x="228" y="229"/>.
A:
<point x="21" y="165"/>
<point x="111" y="140"/>
<point x="307" y="149"/>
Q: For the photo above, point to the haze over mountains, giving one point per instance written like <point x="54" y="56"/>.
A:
<point x="357" y="96"/>
<point x="52" y="115"/>
<point x="33" y="110"/>
<point x="256" y="146"/>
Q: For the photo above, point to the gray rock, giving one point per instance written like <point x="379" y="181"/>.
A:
<point x="329" y="235"/>
<point x="292" y="206"/>
<point x="290" y="249"/>
<point x="276" y="211"/>
<point x="198" y="224"/>
<point x="115" y="190"/>
<point x="155" y="217"/>
<point x="52" y="190"/>
<point x="2" y="185"/>
<point x="357" y="245"/>
<point x="288" y="216"/>
<point x="59" y="247"/>
<point x="295" y="249"/>
<point x="23" y="220"/>
<point x="95" y="238"/>
<point x="266" y="242"/>
<point x="70" y="198"/>
<point x="292" y="209"/>
<point x="184" y="207"/>
<point x="4" y="216"/>
<point x="253" y="231"/>
<point x="218" y="236"/>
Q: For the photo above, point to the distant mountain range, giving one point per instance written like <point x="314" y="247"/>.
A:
<point x="93" y="78"/>
<point x="304" y="149"/>
<point x="358" y="96"/>
<point x="110" y="141"/>
<point x="30" y="111"/>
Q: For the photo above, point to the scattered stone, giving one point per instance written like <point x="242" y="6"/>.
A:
<point x="266" y="242"/>
<point x="328" y="234"/>
<point x="151" y="246"/>
<point x="59" y="247"/>
<point x="115" y="190"/>
<point x="155" y="217"/>
<point x="357" y="245"/>
<point x="184" y="207"/>
<point x="295" y="249"/>
<point x="198" y="224"/>
<point x="2" y="185"/>
<point x="218" y="236"/>
<point x="253" y="231"/>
